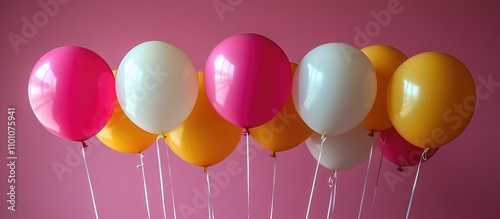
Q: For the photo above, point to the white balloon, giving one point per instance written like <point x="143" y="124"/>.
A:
<point x="334" y="88"/>
<point x="342" y="151"/>
<point x="157" y="86"/>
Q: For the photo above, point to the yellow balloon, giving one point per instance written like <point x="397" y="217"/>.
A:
<point x="431" y="99"/>
<point x="205" y="138"/>
<point x="385" y="60"/>
<point x="285" y="131"/>
<point x="123" y="135"/>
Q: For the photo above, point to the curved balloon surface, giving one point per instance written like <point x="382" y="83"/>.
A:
<point x="205" y="138"/>
<point x="285" y="131"/>
<point x="343" y="151"/>
<point x="157" y="86"/>
<point x="399" y="151"/>
<point x="385" y="60"/>
<point x="248" y="79"/>
<point x="334" y="88"/>
<point x="71" y="90"/>
<point x="431" y="99"/>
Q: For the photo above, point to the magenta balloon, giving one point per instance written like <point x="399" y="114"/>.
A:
<point x="398" y="150"/>
<point x="72" y="92"/>
<point x="248" y="79"/>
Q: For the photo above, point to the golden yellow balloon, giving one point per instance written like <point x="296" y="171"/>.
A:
<point x="285" y="131"/>
<point x="123" y="135"/>
<point x="431" y="99"/>
<point x="385" y="60"/>
<point x="205" y="138"/>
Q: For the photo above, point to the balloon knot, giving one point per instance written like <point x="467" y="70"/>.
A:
<point x="84" y="144"/>
<point x="400" y="169"/>
<point x="424" y="154"/>
<point x="141" y="156"/>
<point x="273" y="154"/>
<point x="204" y="170"/>
<point x="245" y="132"/>
<point x="370" y="134"/>
<point x="161" y="136"/>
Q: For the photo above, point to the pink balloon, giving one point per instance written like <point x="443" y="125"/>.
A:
<point x="248" y="79"/>
<point x="398" y="150"/>
<point x="72" y="92"/>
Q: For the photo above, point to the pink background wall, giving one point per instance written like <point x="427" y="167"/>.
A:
<point x="461" y="181"/>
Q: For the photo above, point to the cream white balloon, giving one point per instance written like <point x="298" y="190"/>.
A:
<point x="334" y="88"/>
<point x="342" y="151"/>
<point x="157" y="86"/>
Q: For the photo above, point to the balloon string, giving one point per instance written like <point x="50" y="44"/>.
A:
<point x="144" y="181"/>
<point x="424" y="157"/>
<point x="366" y="181"/>
<point x="161" y="175"/>
<point x="323" y="139"/>
<point x="246" y="133"/>
<point x="171" y="183"/>
<point x="274" y="184"/>
<point x="333" y="194"/>
<point x="378" y="175"/>
<point x="209" y="197"/>
<point x="212" y="207"/>
<point x="84" y="145"/>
